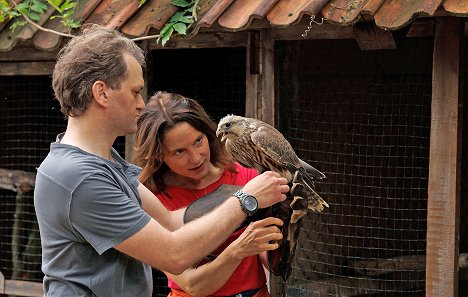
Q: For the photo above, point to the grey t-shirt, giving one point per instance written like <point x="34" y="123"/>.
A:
<point x="85" y="205"/>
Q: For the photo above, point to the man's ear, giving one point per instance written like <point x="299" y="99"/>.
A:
<point x="99" y="93"/>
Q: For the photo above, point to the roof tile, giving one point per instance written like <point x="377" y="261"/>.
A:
<point x="233" y="15"/>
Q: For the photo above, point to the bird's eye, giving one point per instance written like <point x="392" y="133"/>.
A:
<point x="227" y="125"/>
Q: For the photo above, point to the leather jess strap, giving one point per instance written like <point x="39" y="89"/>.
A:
<point x="281" y="258"/>
<point x="207" y="203"/>
<point x="210" y="201"/>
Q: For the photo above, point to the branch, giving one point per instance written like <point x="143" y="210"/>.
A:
<point x="145" y="37"/>
<point x="194" y="10"/>
<point x="40" y="27"/>
<point x="194" y="13"/>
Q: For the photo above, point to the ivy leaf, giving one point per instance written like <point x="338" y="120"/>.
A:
<point x="38" y="7"/>
<point x="55" y="4"/>
<point x="163" y="31"/>
<point x="180" y="3"/>
<point x="73" y="24"/>
<point x="186" y="19"/>
<point x="67" y="5"/>
<point x="17" y="24"/>
<point x="22" y="7"/>
<point x="180" y="28"/>
<point x="165" y="28"/>
<point x="166" y="36"/>
<point x="175" y="18"/>
<point x="34" y="16"/>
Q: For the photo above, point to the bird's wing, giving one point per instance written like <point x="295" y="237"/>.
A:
<point x="271" y="142"/>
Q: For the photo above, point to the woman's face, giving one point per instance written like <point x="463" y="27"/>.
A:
<point x="186" y="151"/>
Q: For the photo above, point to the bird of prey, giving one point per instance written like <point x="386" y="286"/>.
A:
<point x="255" y="144"/>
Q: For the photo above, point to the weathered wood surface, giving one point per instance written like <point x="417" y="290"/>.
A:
<point x="25" y="242"/>
<point x="354" y="286"/>
<point x="20" y="288"/>
<point x="445" y="162"/>
<point x="26" y="68"/>
<point x="268" y="87"/>
<point x="205" y="40"/>
<point x="403" y="263"/>
<point x="252" y="75"/>
<point x="17" y="180"/>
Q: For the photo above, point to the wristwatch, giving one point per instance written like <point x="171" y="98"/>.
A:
<point x="249" y="203"/>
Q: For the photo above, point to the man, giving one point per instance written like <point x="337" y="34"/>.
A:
<point x="101" y="229"/>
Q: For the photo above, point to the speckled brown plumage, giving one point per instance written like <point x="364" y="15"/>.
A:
<point x="255" y="144"/>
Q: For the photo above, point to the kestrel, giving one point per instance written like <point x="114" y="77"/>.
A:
<point x="255" y="144"/>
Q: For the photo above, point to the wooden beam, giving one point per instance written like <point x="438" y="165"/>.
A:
<point x="316" y="31"/>
<point x="205" y="40"/>
<point x="443" y="213"/>
<point x="17" y="180"/>
<point x="357" y="286"/>
<point x="20" y="288"/>
<point x="23" y="288"/>
<point x="147" y="75"/>
<point x="26" y="68"/>
<point x="27" y="53"/>
<point x="370" y="37"/>
<point x="402" y="263"/>
<point x="252" y="75"/>
<point x="267" y="74"/>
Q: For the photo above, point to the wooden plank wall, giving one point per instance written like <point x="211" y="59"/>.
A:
<point x="443" y="211"/>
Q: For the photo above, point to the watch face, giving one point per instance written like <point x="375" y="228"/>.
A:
<point x="250" y="203"/>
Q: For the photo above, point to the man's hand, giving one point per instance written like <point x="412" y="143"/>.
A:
<point x="269" y="188"/>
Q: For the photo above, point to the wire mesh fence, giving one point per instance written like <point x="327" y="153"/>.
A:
<point x="367" y="128"/>
<point x="361" y="118"/>
<point x="214" y="77"/>
<point x="30" y="120"/>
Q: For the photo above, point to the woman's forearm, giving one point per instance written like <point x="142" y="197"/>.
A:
<point x="208" y="278"/>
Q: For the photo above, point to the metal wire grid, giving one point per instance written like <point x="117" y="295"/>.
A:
<point x="369" y="133"/>
<point x="214" y="77"/>
<point x="30" y="120"/>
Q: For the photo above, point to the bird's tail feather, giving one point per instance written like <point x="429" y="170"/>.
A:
<point x="303" y="186"/>
<point x="317" y="174"/>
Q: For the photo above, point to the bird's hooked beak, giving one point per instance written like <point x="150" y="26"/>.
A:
<point x="222" y="133"/>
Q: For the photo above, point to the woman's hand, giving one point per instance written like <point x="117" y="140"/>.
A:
<point x="258" y="237"/>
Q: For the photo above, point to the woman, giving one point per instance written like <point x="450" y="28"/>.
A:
<point x="183" y="160"/>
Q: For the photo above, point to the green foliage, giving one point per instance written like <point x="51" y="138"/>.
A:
<point x="33" y="9"/>
<point x="66" y="12"/>
<point x="179" y="22"/>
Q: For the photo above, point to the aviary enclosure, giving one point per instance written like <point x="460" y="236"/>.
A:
<point x="361" y="117"/>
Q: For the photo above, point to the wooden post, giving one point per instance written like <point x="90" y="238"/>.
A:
<point x="252" y="76"/>
<point x="445" y="162"/>
<point x="130" y="138"/>
<point x="267" y="72"/>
